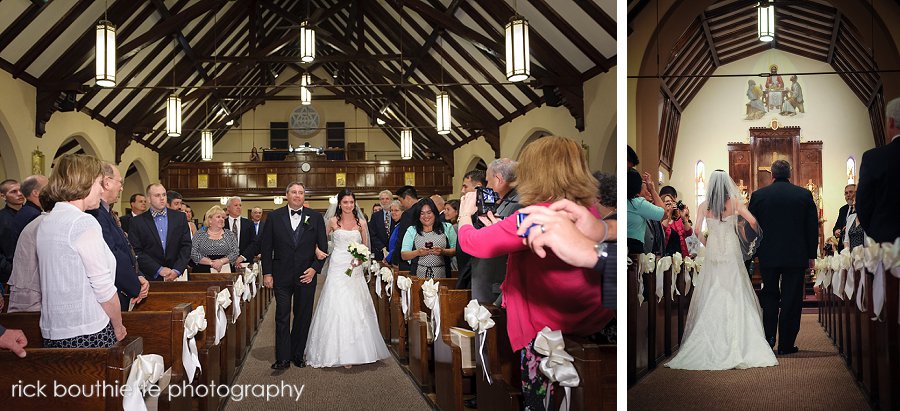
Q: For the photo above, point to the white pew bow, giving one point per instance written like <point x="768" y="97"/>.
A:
<point x="193" y="323"/>
<point x="236" y="298"/>
<point x="662" y="265"/>
<point x="479" y="319"/>
<point x="387" y="276"/>
<point x="874" y="264"/>
<point x="677" y="260"/>
<point x="688" y="267"/>
<point x="145" y="371"/>
<point x="431" y="300"/>
<point x="404" y="283"/>
<point x="557" y="363"/>
<point x="223" y="301"/>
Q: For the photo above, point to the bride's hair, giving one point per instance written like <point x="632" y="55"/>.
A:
<point x="344" y="193"/>
<point x="721" y="189"/>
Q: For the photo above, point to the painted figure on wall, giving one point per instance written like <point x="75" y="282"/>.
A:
<point x="794" y="101"/>
<point x="774" y="89"/>
<point x="755" y="108"/>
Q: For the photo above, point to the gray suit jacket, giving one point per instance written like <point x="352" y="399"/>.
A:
<point x="489" y="273"/>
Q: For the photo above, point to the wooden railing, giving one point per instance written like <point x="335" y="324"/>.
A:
<point x="323" y="178"/>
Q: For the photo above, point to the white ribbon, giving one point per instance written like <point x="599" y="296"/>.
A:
<point x="676" y="269"/>
<point x="817" y="267"/>
<point x="662" y="265"/>
<point x="874" y="264"/>
<point x="223" y="300"/>
<point x="193" y="323"/>
<point x="377" y="283"/>
<point x="890" y="255"/>
<point x="387" y="276"/>
<point x="557" y="363"/>
<point x="688" y="267"/>
<point x="861" y="294"/>
<point x="250" y="280"/>
<point x="430" y="296"/>
<point x="238" y="292"/>
<point x="698" y="265"/>
<point x="479" y="319"/>
<point x="145" y="371"/>
<point x="404" y="283"/>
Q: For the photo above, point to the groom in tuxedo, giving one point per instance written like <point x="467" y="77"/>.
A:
<point x="288" y="242"/>
<point x="788" y="218"/>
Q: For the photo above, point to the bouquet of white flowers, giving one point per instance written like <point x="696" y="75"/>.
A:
<point x="360" y="255"/>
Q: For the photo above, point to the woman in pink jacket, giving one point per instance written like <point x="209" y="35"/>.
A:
<point x="541" y="292"/>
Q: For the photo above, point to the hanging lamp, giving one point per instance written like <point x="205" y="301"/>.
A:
<point x="173" y="116"/>
<point x="307" y="42"/>
<point x="305" y="94"/>
<point x="765" y="21"/>
<point x="518" y="63"/>
<point x="406" y="145"/>
<point x="105" y="54"/>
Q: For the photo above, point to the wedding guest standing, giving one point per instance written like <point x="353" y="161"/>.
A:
<point x="79" y="307"/>
<point x="242" y="229"/>
<point x="215" y="247"/>
<point x="541" y="292"/>
<point x="428" y="244"/>
<point x="161" y="238"/>
<point x="878" y="197"/>
<point x="25" y="281"/>
<point x="840" y="225"/>
<point x="381" y="225"/>
<point x="138" y="204"/>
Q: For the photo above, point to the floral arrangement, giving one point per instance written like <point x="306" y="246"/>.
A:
<point x="360" y="255"/>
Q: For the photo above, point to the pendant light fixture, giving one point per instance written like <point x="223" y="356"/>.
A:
<point x="105" y="54"/>
<point x="518" y="62"/>
<point x="307" y="39"/>
<point x="406" y="146"/>
<point x="173" y="115"/>
<point x="442" y="103"/>
<point x="206" y="140"/>
<point x="765" y="21"/>
<point x="305" y="94"/>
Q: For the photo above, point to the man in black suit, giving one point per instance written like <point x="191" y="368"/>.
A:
<point x="471" y="180"/>
<point x="130" y="284"/>
<point x="31" y="188"/>
<point x="243" y="230"/>
<point x="381" y="224"/>
<point x="288" y="242"/>
<point x="11" y="192"/>
<point x="878" y="198"/>
<point x="138" y="205"/>
<point x="161" y="238"/>
<point x="787" y="215"/>
<point x="841" y="223"/>
<point x="408" y="198"/>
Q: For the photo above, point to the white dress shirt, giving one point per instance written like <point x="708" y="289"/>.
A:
<point x="77" y="273"/>
<point x="234" y="223"/>
<point x="295" y="218"/>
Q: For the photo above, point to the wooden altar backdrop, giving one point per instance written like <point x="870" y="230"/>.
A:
<point x="750" y="164"/>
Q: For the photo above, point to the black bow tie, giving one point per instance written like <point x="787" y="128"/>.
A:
<point x="296" y="212"/>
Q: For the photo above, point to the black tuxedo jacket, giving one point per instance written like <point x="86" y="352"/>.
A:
<point x="878" y="192"/>
<point x="287" y="253"/>
<point x="126" y="221"/>
<point x="248" y="246"/>
<point x="145" y="240"/>
<point x="790" y="225"/>
<point x="839" y="224"/>
<point x="378" y="235"/>
<point x="127" y="282"/>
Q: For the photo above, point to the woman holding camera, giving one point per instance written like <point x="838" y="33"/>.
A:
<point x="428" y="244"/>
<point x="677" y="226"/>
<point x="542" y="292"/>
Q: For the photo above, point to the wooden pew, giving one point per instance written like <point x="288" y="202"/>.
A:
<point x="671" y="308"/>
<point x="383" y="311"/>
<point x="161" y="333"/>
<point x="505" y="394"/>
<point x="399" y="330"/>
<point x="887" y="357"/>
<point x="638" y="324"/>
<point x="67" y="366"/>
<point x="245" y="322"/>
<point x="656" y="352"/>
<point x="684" y="303"/>
<point x="449" y="374"/>
<point x="228" y="344"/>
<point x="868" y="348"/>
<point x="854" y="357"/>
<point x="420" y="348"/>
<point x="596" y="366"/>
<point x="208" y="352"/>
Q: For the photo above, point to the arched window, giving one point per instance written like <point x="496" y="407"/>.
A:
<point x="851" y="170"/>
<point x="700" y="182"/>
<point x="660" y="182"/>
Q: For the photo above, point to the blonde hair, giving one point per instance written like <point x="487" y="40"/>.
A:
<point x="212" y="212"/>
<point x="73" y="177"/>
<point x="553" y="168"/>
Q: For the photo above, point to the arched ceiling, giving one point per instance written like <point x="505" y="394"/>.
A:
<point x="223" y="57"/>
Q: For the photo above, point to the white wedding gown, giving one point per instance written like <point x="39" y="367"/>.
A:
<point x="344" y="329"/>
<point x="724" y="324"/>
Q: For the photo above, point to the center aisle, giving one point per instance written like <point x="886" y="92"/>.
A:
<point x="813" y="379"/>
<point x="379" y="386"/>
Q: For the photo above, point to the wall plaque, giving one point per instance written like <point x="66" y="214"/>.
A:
<point x="202" y="180"/>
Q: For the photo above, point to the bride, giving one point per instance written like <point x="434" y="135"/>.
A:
<point x="344" y="329"/>
<point x="724" y="324"/>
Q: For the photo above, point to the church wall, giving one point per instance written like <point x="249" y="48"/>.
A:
<point x="599" y="133"/>
<point x="834" y="115"/>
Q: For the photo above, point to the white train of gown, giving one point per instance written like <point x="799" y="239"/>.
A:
<point x="344" y="329"/>
<point x="724" y="324"/>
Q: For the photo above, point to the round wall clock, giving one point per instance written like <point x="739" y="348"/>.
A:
<point x="305" y="167"/>
<point x="304" y="121"/>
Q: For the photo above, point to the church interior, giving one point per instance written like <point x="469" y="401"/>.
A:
<point x="222" y="98"/>
<point x="726" y="85"/>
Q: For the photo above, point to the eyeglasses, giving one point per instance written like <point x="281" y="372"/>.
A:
<point x="120" y="181"/>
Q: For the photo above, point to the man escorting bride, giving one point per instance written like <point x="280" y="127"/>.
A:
<point x="344" y="330"/>
<point x="724" y="324"/>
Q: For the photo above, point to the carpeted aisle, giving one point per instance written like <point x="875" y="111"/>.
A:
<point x="813" y="379"/>
<point x="379" y="386"/>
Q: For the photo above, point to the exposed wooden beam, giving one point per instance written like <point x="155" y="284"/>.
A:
<point x="838" y="20"/>
<point x="561" y="24"/>
<point x="171" y="24"/>
<point x="40" y="46"/>
<point x="709" y="42"/>
<point x="17" y="26"/>
<point x="604" y="20"/>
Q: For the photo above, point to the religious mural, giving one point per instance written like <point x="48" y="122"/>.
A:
<point x="774" y="96"/>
